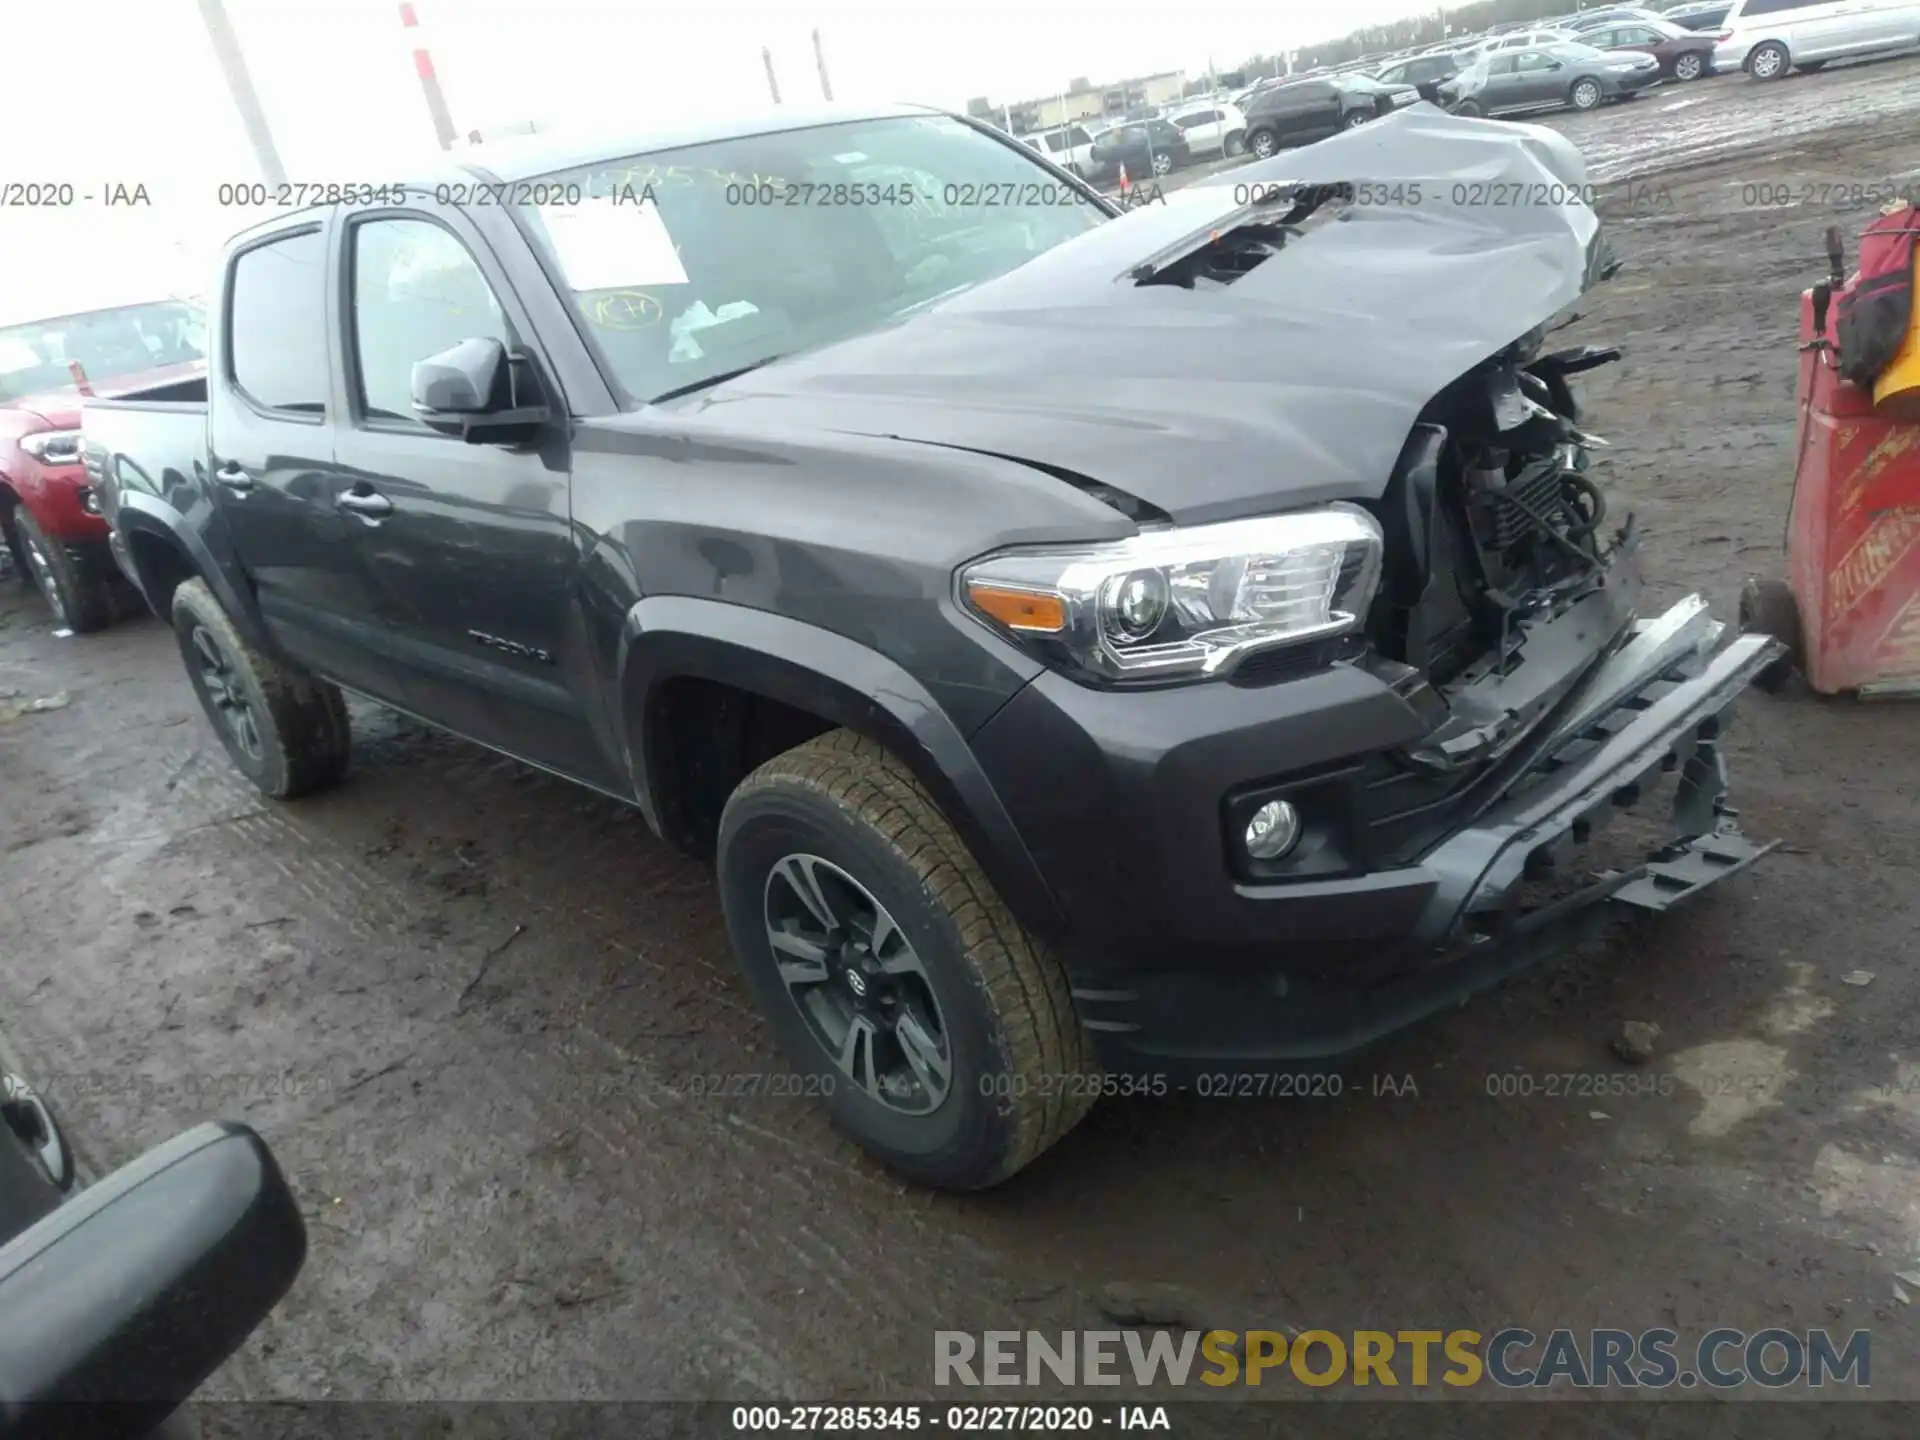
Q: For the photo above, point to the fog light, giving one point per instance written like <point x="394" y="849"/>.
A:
<point x="89" y="501"/>
<point x="1273" y="830"/>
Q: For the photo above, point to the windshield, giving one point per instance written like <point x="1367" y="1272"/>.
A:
<point x="698" y="262"/>
<point x="35" y="358"/>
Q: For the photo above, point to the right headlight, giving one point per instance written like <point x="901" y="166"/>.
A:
<point x="1183" y="603"/>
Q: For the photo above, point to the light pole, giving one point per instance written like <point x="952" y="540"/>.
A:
<point x="766" y="57"/>
<point x="240" y="84"/>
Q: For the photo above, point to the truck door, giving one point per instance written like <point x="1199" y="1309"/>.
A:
<point x="271" y="460"/>
<point x="470" y="545"/>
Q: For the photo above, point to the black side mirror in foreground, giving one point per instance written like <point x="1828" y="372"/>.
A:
<point x="119" y="1304"/>
<point x="472" y="390"/>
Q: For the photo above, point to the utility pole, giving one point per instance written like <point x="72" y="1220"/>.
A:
<point x="234" y="66"/>
<point x="766" y="56"/>
<point x="820" y="59"/>
<point x="429" y="84"/>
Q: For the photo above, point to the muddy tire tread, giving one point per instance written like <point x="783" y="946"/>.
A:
<point x="1026" y="985"/>
<point x="310" y="727"/>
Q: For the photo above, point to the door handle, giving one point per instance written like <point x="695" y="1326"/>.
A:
<point x="233" y="477"/>
<point x="369" y="504"/>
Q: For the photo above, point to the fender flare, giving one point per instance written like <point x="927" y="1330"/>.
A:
<point x="668" y="637"/>
<point x="143" y="514"/>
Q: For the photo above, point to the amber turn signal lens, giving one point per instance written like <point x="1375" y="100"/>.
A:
<point x="1020" y="609"/>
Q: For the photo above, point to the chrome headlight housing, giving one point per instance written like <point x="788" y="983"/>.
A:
<point x="1183" y="603"/>
<point x="53" y="447"/>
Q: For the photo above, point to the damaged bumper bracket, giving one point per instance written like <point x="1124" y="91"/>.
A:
<point x="1688" y="868"/>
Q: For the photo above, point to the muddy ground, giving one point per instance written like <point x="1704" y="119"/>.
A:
<point x="469" y="1005"/>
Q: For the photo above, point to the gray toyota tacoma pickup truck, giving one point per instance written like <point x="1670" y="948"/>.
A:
<point x="1096" y="650"/>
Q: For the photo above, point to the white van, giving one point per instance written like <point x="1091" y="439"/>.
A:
<point x="1068" y="146"/>
<point x="1767" y="38"/>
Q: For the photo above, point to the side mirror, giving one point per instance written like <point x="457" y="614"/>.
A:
<point x="472" y="391"/>
<point x="125" y="1299"/>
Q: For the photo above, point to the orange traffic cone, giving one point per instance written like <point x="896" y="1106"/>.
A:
<point x="1125" y="184"/>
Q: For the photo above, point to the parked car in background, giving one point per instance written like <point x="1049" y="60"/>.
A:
<point x="49" y="517"/>
<point x="1214" y="128"/>
<point x="1068" y="146"/>
<point x="1517" y="40"/>
<point x="1424" y="72"/>
<point x="1143" y="147"/>
<point x="1599" y="19"/>
<point x="1767" y="38"/>
<point x="1683" y="54"/>
<point x="1554" y="77"/>
<point x="1704" y="18"/>
<point x="1300" y="112"/>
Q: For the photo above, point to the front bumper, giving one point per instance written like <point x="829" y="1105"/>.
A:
<point x="1177" y="961"/>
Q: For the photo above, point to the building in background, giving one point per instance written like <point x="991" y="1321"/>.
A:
<point x="1086" y="102"/>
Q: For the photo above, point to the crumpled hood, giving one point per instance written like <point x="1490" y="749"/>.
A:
<point x="1295" y="384"/>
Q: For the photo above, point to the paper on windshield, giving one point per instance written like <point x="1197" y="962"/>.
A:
<point x="607" y="246"/>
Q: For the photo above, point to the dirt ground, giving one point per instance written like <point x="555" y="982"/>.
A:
<point x="470" y="1006"/>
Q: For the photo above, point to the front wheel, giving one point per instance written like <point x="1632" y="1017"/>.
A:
<point x="940" y="1034"/>
<point x="80" y="601"/>
<point x="1263" y="144"/>
<point x="1690" y="66"/>
<point x="1769" y="61"/>
<point x="1353" y="120"/>
<point x="1767" y="607"/>
<point x="1585" y="94"/>
<point x="286" y="730"/>
<point x="1470" y="109"/>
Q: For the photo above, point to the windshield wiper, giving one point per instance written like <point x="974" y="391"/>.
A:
<point x="720" y="379"/>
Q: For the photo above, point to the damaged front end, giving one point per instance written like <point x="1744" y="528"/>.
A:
<point x="1508" y="619"/>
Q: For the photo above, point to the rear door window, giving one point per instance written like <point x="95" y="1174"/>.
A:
<point x="276" y="318"/>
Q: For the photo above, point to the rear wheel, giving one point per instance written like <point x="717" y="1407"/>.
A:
<point x="1767" y="607"/>
<point x="1162" y="163"/>
<point x="80" y="602"/>
<point x="941" y="1035"/>
<point x="1690" y="66"/>
<point x="1585" y="94"/>
<point x="1769" y="61"/>
<point x="286" y="730"/>
<point x="1236" y="144"/>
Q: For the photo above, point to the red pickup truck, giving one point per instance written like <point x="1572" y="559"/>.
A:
<point x="49" y="517"/>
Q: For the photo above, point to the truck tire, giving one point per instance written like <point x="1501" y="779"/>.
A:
<point x="940" y="1033"/>
<point x="79" y="601"/>
<point x="286" y="730"/>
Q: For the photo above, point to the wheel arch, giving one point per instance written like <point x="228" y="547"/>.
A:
<point x="163" y="551"/>
<point x="693" y="671"/>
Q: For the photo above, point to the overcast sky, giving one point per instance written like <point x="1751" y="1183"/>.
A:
<point x="129" y="90"/>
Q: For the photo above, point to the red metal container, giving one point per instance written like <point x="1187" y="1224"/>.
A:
<point x="1850" y="609"/>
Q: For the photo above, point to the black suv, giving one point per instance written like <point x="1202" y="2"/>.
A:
<point x="1091" y="654"/>
<point x="1302" y="111"/>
